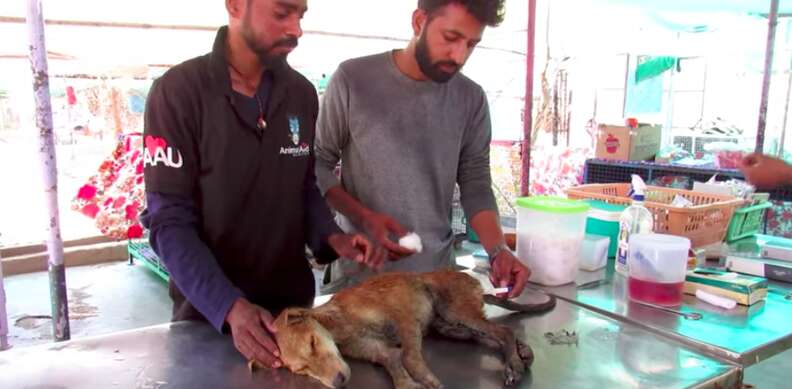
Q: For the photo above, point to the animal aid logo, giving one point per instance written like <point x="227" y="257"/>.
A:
<point x="158" y="152"/>
<point x="299" y="149"/>
<point x="294" y="129"/>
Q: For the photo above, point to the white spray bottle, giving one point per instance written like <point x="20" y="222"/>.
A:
<point x="636" y="219"/>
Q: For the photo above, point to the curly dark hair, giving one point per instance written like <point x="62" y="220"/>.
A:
<point x="488" y="12"/>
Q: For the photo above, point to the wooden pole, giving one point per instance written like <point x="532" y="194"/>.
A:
<point x="528" y="108"/>
<point x="49" y="170"/>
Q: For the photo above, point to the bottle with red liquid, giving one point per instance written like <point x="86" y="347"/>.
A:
<point x="658" y="265"/>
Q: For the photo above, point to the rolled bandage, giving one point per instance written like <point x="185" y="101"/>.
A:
<point x="411" y="241"/>
<point x="716" y="300"/>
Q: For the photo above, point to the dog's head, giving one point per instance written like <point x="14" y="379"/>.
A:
<point x="307" y="348"/>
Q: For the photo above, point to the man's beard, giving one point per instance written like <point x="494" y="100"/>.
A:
<point x="264" y="54"/>
<point x="432" y="70"/>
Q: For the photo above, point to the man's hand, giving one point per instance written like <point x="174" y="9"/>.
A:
<point x="765" y="172"/>
<point x="359" y="249"/>
<point x="252" y="329"/>
<point x="380" y="227"/>
<point x="508" y="271"/>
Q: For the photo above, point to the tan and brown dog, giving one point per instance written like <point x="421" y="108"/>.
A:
<point x="384" y="319"/>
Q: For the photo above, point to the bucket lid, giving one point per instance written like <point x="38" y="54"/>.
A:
<point x="552" y="204"/>
<point x="603" y="206"/>
<point x="672" y="242"/>
<point x="603" y="211"/>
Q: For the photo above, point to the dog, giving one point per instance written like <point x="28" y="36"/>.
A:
<point x="383" y="320"/>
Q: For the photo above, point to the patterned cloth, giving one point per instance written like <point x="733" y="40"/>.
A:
<point x="555" y="169"/>
<point x="779" y="219"/>
<point x="114" y="196"/>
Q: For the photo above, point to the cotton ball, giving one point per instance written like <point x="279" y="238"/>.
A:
<point x="411" y="241"/>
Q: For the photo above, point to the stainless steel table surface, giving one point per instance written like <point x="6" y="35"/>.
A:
<point x="609" y="354"/>
<point x="744" y="335"/>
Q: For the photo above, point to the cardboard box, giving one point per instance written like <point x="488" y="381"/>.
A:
<point x="762" y="267"/>
<point x="745" y="290"/>
<point x="627" y="144"/>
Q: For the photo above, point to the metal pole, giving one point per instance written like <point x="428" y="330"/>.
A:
<point x="3" y="316"/>
<point x="49" y="170"/>
<point x="768" y="74"/>
<point x="667" y="137"/>
<point x="528" y="119"/>
<point x="186" y="27"/>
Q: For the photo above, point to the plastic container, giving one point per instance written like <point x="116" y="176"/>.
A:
<point x="603" y="220"/>
<point x="550" y="233"/>
<point x="594" y="252"/>
<point x="746" y="221"/>
<point x="658" y="265"/>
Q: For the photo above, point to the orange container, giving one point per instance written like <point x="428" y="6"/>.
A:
<point x="703" y="223"/>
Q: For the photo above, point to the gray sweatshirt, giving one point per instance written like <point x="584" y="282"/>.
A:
<point x="403" y="145"/>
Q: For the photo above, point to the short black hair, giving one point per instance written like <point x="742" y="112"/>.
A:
<point x="488" y="12"/>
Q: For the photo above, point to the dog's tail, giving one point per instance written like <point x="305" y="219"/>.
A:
<point x="517" y="307"/>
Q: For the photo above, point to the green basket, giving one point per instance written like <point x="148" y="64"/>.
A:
<point x="141" y="250"/>
<point x="746" y="221"/>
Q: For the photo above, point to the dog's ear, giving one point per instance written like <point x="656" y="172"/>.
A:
<point x="295" y="316"/>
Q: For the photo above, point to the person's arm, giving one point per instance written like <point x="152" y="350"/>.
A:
<point x="766" y="172"/>
<point x="478" y="201"/>
<point x="319" y="222"/>
<point x="172" y="221"/>
<point x="171" y="166"/>
<point x="332" y="136"/>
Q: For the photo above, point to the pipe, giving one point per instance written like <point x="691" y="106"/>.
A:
<point x="768" y="74"/>
<point x="3" y="315"/>
<point x="49" y="170"/>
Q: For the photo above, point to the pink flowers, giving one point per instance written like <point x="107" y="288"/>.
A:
<point x="86" y="192"/>
<point x="90" y="210"/>
<point x="114" y="196"/>
<point x="131" y="211"/>
<point x="135" y="231"/>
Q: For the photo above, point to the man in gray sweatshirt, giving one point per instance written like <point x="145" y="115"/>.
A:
<point x="407" y="128"/>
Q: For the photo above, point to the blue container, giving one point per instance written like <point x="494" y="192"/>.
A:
<point x="603" y="219"/>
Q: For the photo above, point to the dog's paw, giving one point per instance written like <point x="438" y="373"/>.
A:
<point x="513" y="372"/>
<point x="525" y="353"/>
<point x="408" y="385"/>
<point x="431" y="383"/>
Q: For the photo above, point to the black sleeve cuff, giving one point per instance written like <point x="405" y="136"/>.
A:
<point x="326" y="254"/>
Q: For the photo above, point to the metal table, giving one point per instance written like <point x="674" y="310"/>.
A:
<point x="609" y="354"/>
<point x="744" y="335"/>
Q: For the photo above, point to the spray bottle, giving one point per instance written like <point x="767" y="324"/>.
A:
<point x="636" y="219"/>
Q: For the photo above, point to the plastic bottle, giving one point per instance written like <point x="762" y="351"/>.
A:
<point x="636" y="219"/>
